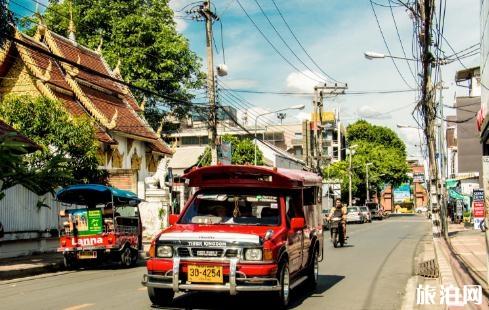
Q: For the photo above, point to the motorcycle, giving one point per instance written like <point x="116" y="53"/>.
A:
<point x="482" y="226"/>
<point x="337" y="232"/>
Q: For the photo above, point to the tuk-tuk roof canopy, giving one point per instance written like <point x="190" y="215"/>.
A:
<point x="96" y="194"/>
<point x="251" y="176"/>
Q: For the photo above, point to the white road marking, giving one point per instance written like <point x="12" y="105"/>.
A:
<point x="77" y="307"/>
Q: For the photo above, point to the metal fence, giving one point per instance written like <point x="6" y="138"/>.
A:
<point x="22" y="211"/>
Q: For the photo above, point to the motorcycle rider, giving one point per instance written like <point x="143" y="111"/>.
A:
<point x="339" y="210"/>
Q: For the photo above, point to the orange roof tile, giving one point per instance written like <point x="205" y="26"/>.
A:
<point x="87" y="58"/>
<point x="76" y="109"/>
<point x="41" y="62"/>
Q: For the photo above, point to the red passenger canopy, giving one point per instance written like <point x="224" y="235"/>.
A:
<point x="250" y="176"/>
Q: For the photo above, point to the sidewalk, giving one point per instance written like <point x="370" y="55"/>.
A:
<point x="461" y="261"/>
<point x="470" y="247"/>
<point x="26" y="266"/>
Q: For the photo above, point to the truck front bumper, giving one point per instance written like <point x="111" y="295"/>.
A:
<point x="237" y="281"/>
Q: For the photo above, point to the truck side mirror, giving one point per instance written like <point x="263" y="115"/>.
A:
<point x="297" y="223"/>
<point x="173" y="219"/>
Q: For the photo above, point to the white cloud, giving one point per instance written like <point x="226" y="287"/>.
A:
<point x="300" y="81"/>
<point x="181" y="25"/>
<point x="241" y="83"/>
<point x="303" y="116"/>
<point x="367" y="112"/>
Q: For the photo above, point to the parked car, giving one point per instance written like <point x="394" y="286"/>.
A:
<point x="354" y="215"/>
<point x="375" y="210"/>
<point x="366" y="212"/>
<point x="326" y="223"/>
<point x="421" y="209"/>
<point x="245" y="229"/>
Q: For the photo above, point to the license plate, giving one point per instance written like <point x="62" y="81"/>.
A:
<point x="87" y="254"/>
<point x="207" y="274"/>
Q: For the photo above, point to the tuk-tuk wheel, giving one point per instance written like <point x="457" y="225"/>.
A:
<point x="160" y="296"/>
<point x="128" y="257"/>
<point x="70" y="262"/>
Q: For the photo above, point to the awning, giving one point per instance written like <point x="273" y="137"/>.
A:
<point x="451" y="183"/>
<point x="94" y="194"/>
<point x="455" y="195"/>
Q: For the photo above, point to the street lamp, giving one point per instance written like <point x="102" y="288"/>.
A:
<point x="350" y="149"/>
<point x="374" y="55"/>
<point x="295" y="107"/>
<point x="366" y="168"/>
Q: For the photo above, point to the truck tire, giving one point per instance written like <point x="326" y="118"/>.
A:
<point x="160" y="296"/>
<point x="282" y="297"/>
<point x="313" y="270"/>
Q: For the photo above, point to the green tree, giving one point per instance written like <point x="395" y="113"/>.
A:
<point x="377" y="145"/>
<point x="362" y="130"/>
<point x="12" y="166"/>
<point x="242" y="152"/>
<point x="68" y="145"/>
<point x="5" y="19"/>
<point x="142" y="35"/>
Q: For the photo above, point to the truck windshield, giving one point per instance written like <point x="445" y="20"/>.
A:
<point x="233" y="209"/>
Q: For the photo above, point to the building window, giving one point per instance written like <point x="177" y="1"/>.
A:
<point x="190" y="141"/>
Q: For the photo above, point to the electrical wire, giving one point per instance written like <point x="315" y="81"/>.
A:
<point x="387" y="46"/>
<point x="287" y="93"/>
<point x="273" y="46"/>
<point x="300" y="43"/>
<point x="285" y="42"/>
<point x="402" y="45"/>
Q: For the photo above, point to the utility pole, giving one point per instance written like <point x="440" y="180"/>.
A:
<point x="366" y="172"/>
<point x="319" y="92"/>
<point x="209" y="16"/>
<point x="425" y="10"/>
<point x="349" y="180"/>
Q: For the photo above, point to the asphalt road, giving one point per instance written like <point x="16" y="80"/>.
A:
<point x="371" y="272"/>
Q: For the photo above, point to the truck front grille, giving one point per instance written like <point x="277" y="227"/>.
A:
<point x="204" y="252"/>
<point x="183" y="252"/>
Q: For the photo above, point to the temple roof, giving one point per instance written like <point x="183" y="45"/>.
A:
<point x="111" y="104"/>
<point x="31" y="146"/>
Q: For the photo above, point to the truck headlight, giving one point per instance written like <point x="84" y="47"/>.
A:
<point x="253" y="254"/>
<point x="164" y="251"/>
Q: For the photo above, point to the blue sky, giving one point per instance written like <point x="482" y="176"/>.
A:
<point x="335" y="33"/>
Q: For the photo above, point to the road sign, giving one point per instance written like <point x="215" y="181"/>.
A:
<point x="225" y="153"/>
<point x="418" y="177"/>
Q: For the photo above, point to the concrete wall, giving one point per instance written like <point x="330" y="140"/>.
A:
<point x="29" y="228"/>
<point x="469" y="150"/>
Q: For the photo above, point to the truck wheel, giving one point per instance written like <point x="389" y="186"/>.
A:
<point x="313" y="270"/>
<point x="282" y="297"/>
<point x="160" y="296"/>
